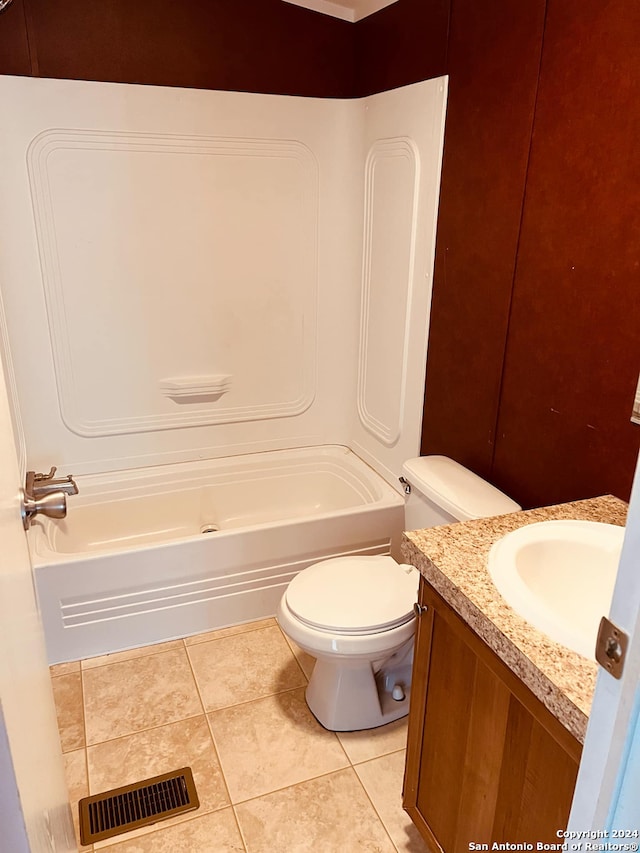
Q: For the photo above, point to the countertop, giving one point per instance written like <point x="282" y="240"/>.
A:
<point x="453" y="559"/>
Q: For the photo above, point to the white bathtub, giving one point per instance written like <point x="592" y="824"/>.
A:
<point x="130" y="564"/>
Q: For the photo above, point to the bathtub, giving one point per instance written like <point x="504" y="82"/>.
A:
<point x="153" y="554"/>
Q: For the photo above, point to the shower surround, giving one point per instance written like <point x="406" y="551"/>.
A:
<point x="191" y="276"/>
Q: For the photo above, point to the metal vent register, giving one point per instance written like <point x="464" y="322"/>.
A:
<point x="132" y="806"/>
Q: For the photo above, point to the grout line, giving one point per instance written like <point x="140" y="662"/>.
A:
<point x="225" y="783"/>
<point x="350" y="765"/>
<point x="375" y="810"/>
<point x="243" y="702"/>
<point x="336" y="734"/>
<point x="131" y="657"/>
<point x="135" y="654"/>
<point x="243" y="838"/>
<point x="293" y="652"/>
<point x="259" y="699"/>
<point x="199" y="714"/>
<point x="139" y="653"/>
<point x="248" y="627"/>
<point x="376" y="757"/>
<point x="86" y="751"/>
<point x="195" y="679"/>
<point x="341" y="745"/>
<point x="62" y="674"/>
<point x="294" y="785"/>
<point x="139" y="833"/>
<point x="84" y="722"/>
<point x="218" y="759"/>
<point x="126" y="837"/>
<point x="351" y="769"/>
<point x="149" y="729"/>
<point x="216" y="752"/>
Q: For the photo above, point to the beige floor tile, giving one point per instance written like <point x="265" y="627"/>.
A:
<point x="187" y="743"/>
<point x="212" y="833"/>
<point x="75" y="771"/>
<point x="134" y="695"/>
<point x="130" y="654"/>
<point x="331" y="814"/>
<point x="382" y="779"/>
<point x="229" y="632"/>
<point x="244" y="667"/>
<point x="271" y="743"/>
<point x="64" y="668"/>
<point x="67" y="693"/>
<point x="306" y="661"/>
<point x="371" y="743"/>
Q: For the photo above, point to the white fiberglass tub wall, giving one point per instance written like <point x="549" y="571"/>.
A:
<point x="189" y="276"/>
<point x="130" y="565"/>
<point x="193" y="274"/>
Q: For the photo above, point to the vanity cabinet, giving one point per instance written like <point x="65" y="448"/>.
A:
<point x="486" y="761"/>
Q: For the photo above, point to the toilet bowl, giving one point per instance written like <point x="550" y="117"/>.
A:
<point x="355" y="614"/>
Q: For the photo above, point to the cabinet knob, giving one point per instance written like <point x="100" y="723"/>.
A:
<point x="419" y="609"/>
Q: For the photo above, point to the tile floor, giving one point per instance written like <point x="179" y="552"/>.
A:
<point x="230" y="704"/>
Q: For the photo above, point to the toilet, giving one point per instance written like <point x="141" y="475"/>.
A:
<point x="355" y="614"/>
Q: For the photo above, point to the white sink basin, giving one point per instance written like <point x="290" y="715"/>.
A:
<point x="559" y="576"/>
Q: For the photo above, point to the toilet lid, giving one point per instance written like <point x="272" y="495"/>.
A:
<point x="354" y="595"/>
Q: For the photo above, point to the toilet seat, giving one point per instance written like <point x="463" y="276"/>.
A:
<point x="354" y="596"/>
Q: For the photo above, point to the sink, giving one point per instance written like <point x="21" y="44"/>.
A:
<point x="559" y="576"/>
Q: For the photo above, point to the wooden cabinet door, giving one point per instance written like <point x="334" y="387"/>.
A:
<point x="486" y="761"/>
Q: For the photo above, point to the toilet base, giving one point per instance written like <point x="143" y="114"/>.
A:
<point x="346" y="696"/>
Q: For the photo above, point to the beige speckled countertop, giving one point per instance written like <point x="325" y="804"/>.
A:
<point x="453" y="559"/>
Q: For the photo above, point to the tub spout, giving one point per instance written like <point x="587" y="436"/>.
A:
<point x="40" y="485"/>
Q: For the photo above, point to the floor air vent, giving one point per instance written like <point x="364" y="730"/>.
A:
<point x="132" y="806"/>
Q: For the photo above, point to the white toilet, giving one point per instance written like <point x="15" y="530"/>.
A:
<point x="355" y="614"/>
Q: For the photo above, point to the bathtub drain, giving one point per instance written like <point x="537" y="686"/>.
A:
<point x="209" y="528"/>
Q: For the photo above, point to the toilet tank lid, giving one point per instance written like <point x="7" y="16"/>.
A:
<point x="455" y="489"/>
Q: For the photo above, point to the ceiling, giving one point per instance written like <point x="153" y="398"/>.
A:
<point x="348" y="10"/>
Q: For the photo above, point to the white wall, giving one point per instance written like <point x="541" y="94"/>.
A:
<point x="33" y="771"/>
<point x="403" y="136"/>
<point x="214" y="242"/>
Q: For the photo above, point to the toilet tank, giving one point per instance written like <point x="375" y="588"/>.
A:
<point x="443" y="491"/>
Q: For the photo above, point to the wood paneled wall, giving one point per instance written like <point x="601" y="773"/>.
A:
<point x="401" y="44"/>
<point x="573" y="349"/>
<point x="535" y="333"/>
<point x="255" y="45"/>
<point x="493" y="63"/>
<point x="14" y="43"/>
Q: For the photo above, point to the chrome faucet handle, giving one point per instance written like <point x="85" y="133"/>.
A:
<point x="53" y="505"/>
<point x="39" y="477"/>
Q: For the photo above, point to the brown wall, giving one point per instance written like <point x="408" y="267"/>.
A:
<point x="573" y="350"/>
<point x="535" y="334"/>
<point x="14" y="44"/>
<point x="254" y="45"/>
<point x="401" y="44"/>
<point x="493" y="66"/>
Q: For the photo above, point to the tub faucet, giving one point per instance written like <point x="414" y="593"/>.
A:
<point x="43" y="494"/>
<point x="39" y="485"/>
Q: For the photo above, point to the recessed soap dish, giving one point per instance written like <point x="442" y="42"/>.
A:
<point x="196" y="389"/>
